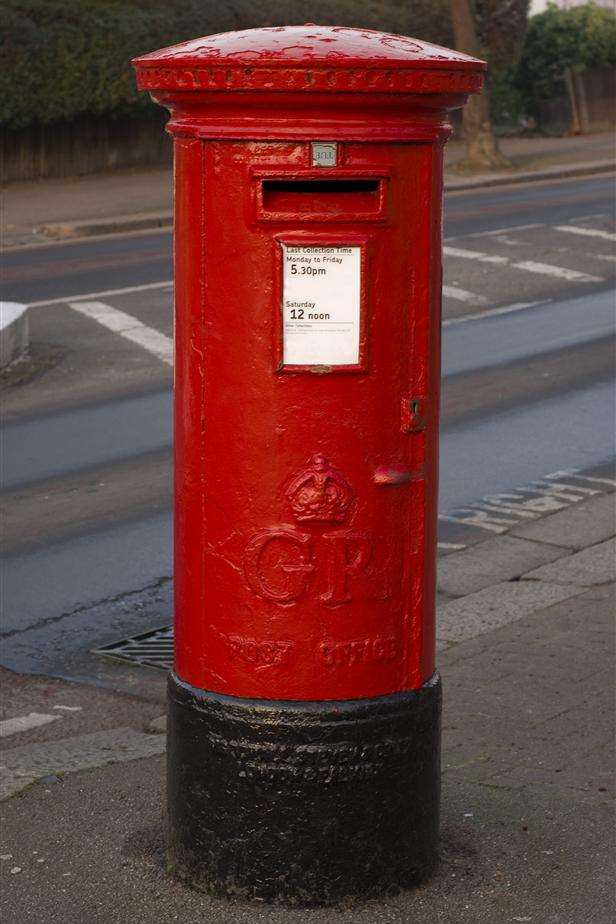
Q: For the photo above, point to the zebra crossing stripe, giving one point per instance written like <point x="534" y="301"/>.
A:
<point x="461" y="295"/>
<point x="127" y="326"/>
<point x="589" y="232"/>
<point x="560" y="272"/>
<point x="529" y="266"/>
<point x="474" y="255"/>
<point x="494" y="232"/>
<point x="494" y="312"/>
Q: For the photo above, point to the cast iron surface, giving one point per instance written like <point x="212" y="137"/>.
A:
<point x="310" y="58"/>
<point x="305" y="490"/>
<point x="271" y="78"/>
<point x="303" y="803"/>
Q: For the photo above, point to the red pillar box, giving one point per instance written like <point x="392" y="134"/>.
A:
<point x="304" y="705"/>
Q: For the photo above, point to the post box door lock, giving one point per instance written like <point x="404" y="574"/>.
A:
<point x="414" y="415"/>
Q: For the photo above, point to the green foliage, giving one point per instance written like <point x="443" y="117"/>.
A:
<point x="506" y="101"/>
<point x="501" y="27"/>
<point x="580" y="38"/>
<point x="65" y="58"/>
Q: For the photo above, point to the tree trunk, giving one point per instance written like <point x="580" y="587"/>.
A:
<point x="482" y="151"/>
<point x="575" y="128"/>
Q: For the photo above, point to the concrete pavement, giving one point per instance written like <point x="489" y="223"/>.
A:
<point x="526" y="651"/>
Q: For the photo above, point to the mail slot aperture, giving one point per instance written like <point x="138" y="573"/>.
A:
<point x="336" y="199"/>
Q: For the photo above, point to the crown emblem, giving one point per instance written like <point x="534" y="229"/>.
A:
<point x="319" y="494"/>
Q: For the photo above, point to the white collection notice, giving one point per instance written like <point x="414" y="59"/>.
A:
<point x="320" y="304"/>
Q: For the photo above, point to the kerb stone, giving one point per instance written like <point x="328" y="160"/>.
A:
<point x="576" y="527"/>
<point x="595" y="565"/>
<point x="497" y="606"/>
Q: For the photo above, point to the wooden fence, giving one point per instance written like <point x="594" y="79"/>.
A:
<point x="86" y="145"/>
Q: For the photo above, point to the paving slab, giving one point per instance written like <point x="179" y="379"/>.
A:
<point x="576" y="527"/>
<point x="532" y="706"/>
<point x="21" y="765"/>
<point x="602" y="592"/>
<point x="492" y="562"/>
<point x="81" y="709"/>
<point x="496" y="606"/>
<point x="594" y="565"/>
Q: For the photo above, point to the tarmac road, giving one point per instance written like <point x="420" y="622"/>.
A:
<point x="528" y="360"/>
<point x="50" y="271"/>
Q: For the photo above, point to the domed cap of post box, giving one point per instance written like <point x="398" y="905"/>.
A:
<point x="296" y="81"/>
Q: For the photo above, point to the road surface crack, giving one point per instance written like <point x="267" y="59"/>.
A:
<point x="125" y="595"/>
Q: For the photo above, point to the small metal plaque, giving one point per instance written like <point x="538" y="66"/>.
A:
<point x="324" y="154"/>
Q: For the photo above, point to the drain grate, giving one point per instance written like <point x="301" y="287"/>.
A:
<point x="151" y="649"/>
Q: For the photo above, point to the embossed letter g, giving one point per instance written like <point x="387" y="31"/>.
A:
<point x="277" y="563"/>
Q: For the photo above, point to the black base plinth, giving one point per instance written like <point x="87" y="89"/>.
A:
<point x="303" y="803"/>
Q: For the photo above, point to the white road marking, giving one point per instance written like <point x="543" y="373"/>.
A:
<point x="593" y="215"/>
<point x="451" y="545"/>
<point x="461" y="295"/>
<point x="469" y="516"/>
<point x="536" y="224"/>
<point x="128" y="290"/>
<point x="530" y="266"/>
<point x="69" y="708"/>
<point x="158" y="343"/>
<point x="509" y="241"/>
<point x="590" y="232"/>
<point x="505" y="309"/>
<point x="127" y="326"/>
<point x="25" y="722"/>
<point x="527" y="502"/>
<point x="556" y="496"/>
<point x="573" y="474"/>
<point x="546" y="269"/>
<point x="500" y="503"/>
<point x="475" y="255"/>
<point x="604" y="256"/>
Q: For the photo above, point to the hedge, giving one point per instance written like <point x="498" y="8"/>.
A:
<point x="65" y="58"/>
